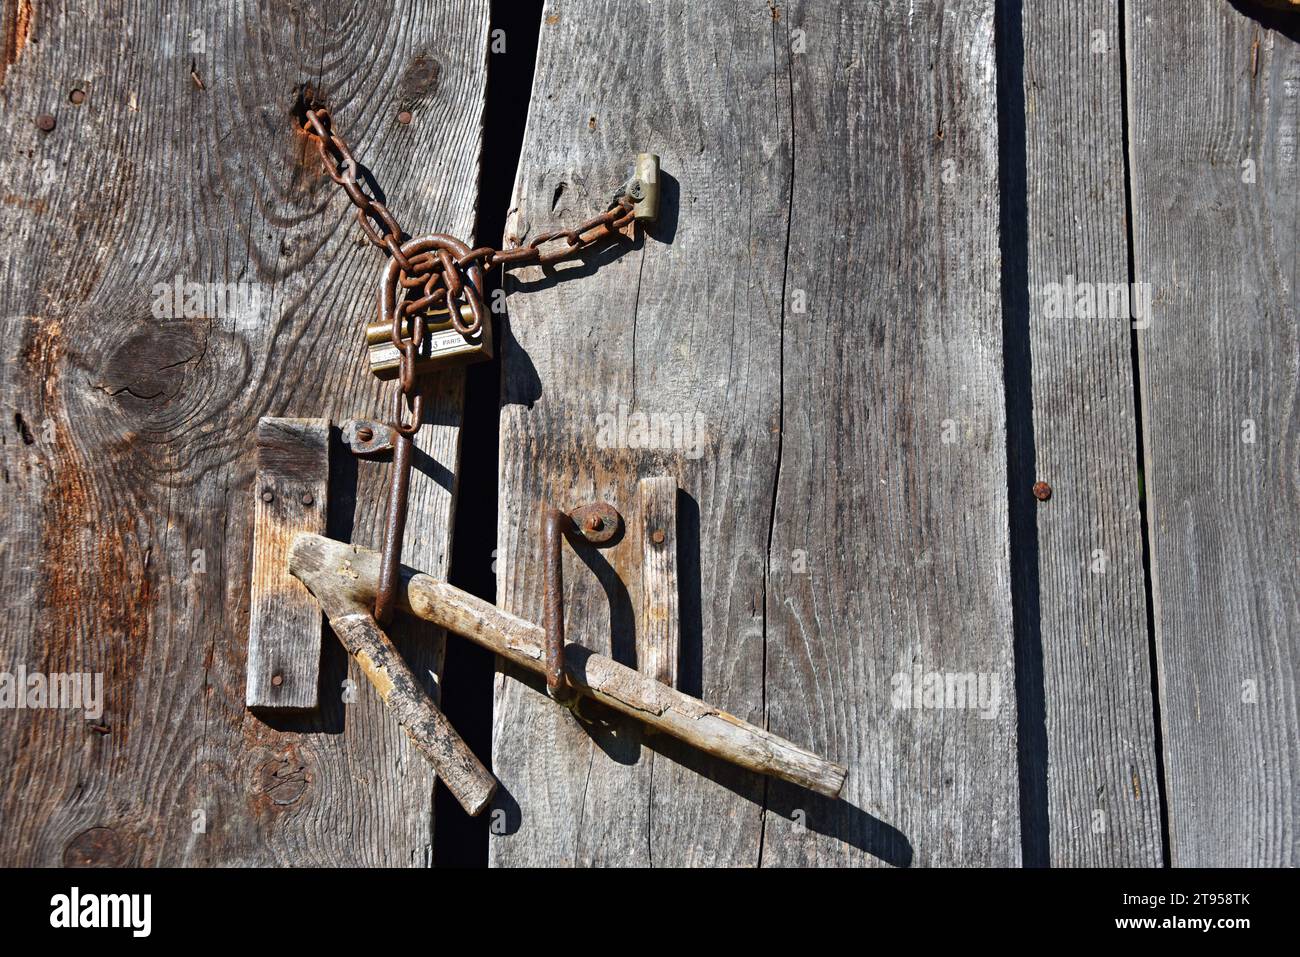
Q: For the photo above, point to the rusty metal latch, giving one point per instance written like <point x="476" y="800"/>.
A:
<point x="438" y="318"/>
<point x="598" y="524"/>
<point x="431" y="316"/>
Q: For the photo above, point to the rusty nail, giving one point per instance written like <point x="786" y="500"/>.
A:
<point x="658" y="536"/>
<point x="77" y="96"/>
<point x="307" y="498"/>
<point x="100" y="728"/>
<point x="404" y="117"/>
<point x="277" y="680"/>
<point x="365" y="433"/>
<point x="1042" y="491"/>
<point x="45" y="122"/>
<point x="268" y="496"/>
<point x="594" y="523"/>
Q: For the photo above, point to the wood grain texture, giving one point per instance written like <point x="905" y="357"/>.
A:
<point x="659" y="624"/>
<point x="289" y="495"/>
<point x="685" y="329"/>
<point x="1215" y="114"/>
<point x="814" y="428"/>
<point x="1084" y="597"/>
<point x="889" y="632"/>
<point x="184" y="161"/>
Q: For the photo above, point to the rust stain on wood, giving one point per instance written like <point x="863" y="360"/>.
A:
<point x="17" y="31"/>
<point x="420" y="79"/>
<point x="26" y="202"/>
<point x="89" y="626"/>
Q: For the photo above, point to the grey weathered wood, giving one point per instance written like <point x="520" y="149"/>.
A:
<point x="839" y="540"/>
<point x="289" y="495"/>
<point x="128" y="523"/>
<point x="659" y="622"/>
<point x="686" y="325"/>
<point x="889" y="541"/>
<point x="1093" y="779"/>
<point x="345" y="576"/>
<point x="1215" y="102"/>
<point x="428" y="729"/>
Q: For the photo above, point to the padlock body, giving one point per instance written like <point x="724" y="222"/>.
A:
<point x="443" y="347"/>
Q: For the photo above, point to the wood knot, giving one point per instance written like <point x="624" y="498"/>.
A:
<point x="282" y="780"/>
<point x="420" y="78"/>
<point x="98" y="847"/>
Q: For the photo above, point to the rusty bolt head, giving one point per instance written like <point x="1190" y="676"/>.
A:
<point x="658" y="536"/>
<point x="45" y="122"/>
<point x="277" y="680"/>
<point x="1042" y="491"/>
<point x="365" y="433"/>
<point x="268" y="496"/>
<point x="77" y="96"/>
<point x="307" y="498"/>
<point x="404" y="117"/>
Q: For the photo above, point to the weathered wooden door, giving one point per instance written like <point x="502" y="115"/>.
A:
<point x="967" y="335"/>
<point x="907" y="275"/>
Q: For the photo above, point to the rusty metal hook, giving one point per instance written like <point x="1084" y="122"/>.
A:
<point x="597" y="524"/>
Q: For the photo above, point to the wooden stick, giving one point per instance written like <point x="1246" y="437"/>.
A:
<point x="339" y="572"/>
<point x="429" y="730"/>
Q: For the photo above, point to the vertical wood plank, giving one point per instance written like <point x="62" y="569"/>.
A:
<point x="289" y="496"/>
<point x="889" y="630"/>
<point x="663" y="359"/>
<point x="1092" y="778"/>
<point x="1215" y="110"/>
<point x="659" y="624"/>
<point x="129" y="540"/>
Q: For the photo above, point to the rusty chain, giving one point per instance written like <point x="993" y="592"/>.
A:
<point x="440" y="276"/>
<point x="431" y="272"/>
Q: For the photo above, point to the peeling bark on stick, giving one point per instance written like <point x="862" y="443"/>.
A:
<point x="340" y="574"/>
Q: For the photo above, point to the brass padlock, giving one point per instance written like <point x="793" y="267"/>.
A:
<point x="443" y="344"/>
